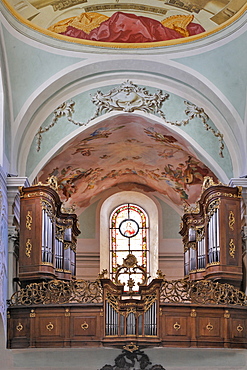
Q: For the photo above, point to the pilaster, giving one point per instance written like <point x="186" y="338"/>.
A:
<point x="3" y="247"/>
<point x="13" y="184"/>
<point x="243" y="183"/>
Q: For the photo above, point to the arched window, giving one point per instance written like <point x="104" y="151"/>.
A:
<point x="129" y="234"/>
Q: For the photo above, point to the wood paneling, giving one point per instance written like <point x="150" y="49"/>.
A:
<point x="181" y="325"/>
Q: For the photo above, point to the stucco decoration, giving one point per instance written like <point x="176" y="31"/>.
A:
<point x="130" y="98"/>
<point x="127" y="24"/>
<point x="126" y="149"/>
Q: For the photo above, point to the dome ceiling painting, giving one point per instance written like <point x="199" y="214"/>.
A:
<point x="127" y="23"/>
<point x="127" y="151"/>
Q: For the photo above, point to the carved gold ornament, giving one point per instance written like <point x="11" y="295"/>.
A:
<point x="232" y="248"/>
<point x="131" y="347"/>
<point x="58" y="291"/>
<point x="231" y="220"/>
<point x="67" y="313"/>
<point x="227" y="314"/>
<point x="177" y="326"/>
<point x="212" y="207"/>
<point x="193" y="313"/>
<point x="84" y="326"/>
<point x="19" y="327"/>
<point x="50" y="326"/>
<point x="28" y="248"/>
<point x="32" y="313"/>
<point x="240" y="328"/>
<point x="29" y="220"/>
<point x="209" y="327"/>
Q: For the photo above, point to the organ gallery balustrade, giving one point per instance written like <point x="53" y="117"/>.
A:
<point x="161" y="313"/>
<point x="202" y="310"/>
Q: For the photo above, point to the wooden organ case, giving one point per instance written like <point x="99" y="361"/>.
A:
<point x="212" y="235"/>
<point x="53" y="309"/>
<point x="47" y="236"/>
<point x="128" y="313"/>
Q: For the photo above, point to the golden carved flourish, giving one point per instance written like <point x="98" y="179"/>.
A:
<point x="193" y="313"/>
<point x="209" y="326"/>
<point x="50" y="326"/>
<point x="32" y="313"/>
<point x="28" y="248"/>
<point x="177" y="326"/>
<point x="84" y="326"/>
<point x="29" y="220"/>
<point x="232" y="248"/>
<point x="19" y="327"/>
<point x="231" y="220"/>
<point x="131" y="347"/>
<point x="240" y="328"/>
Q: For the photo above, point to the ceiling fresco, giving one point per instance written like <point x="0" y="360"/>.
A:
<point x="127" y="22"/>
<point x="126" y="149"/>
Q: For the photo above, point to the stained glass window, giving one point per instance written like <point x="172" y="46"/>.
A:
<point x="129" y="235"/>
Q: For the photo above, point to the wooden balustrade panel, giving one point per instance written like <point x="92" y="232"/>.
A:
<point x="180" y="325"/>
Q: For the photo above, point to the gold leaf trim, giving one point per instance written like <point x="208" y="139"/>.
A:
<point x="29" y="220"/>
<point x="19" y="327"/>
<point x="232" y="248"/>
<point x="84" y="326"/>
<point x="28" y="248"/>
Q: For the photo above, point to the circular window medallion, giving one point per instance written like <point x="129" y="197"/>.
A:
<point x="129" y="228"/>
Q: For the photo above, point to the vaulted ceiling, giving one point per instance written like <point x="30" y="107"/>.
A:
<point x="43" y="69"/>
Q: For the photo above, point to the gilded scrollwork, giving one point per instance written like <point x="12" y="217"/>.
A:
<point x="113" y="300"/>
<point x="50" y="326"/>
<point x="232" y="248"/>
<point x="149" y="300"/>
<point x="212" y="208"/>
<point x="177" y="326"/>
<point x="48" y="208"/>
<point x="84" y="326"/>
<point x="231" y="220"/>
<point x="58" y="291"/>
<point x="19" y="327"/>
<point x="28" y="248"/>
<point x="201" y="292"/>
<point x="240" y="328"/>
<point x="29" y="220"/>
<point x="209" y="327"/>
<point x="208" y="182"/>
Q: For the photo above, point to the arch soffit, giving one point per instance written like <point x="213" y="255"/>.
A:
<point x="206" y="158"/>
<point x="65" y="87"/>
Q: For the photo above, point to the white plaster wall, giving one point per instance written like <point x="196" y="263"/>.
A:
<point x="3" y="248"/>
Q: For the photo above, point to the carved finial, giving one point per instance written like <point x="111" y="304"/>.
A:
<point x="160" y="275"/>
<point x="52" y="182"/>
<point x="102" y="274"/>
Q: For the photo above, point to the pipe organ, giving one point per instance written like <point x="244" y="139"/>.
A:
<point x="130" y="313"/>
<point x="47" y="236"/>
<point x="212" y="235"/>
<point x="52" y="309"/>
